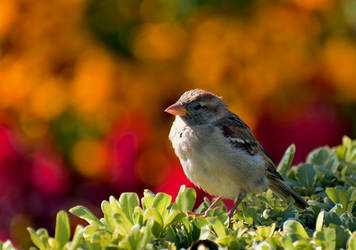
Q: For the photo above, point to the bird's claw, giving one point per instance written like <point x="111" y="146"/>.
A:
<point x="198" y="214"/>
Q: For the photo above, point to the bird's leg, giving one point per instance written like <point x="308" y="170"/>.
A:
<point x="213" y="205"/>
<point x="239" y="199"/>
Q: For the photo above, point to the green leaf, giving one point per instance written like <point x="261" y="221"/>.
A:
<point x="115" y="206"/>
<point x="341" y="236"/>
<point x="350" y="145"/>
<point x="294" y="227"/>
<point x="328" y="236"/>
<point x="331" y="218"/>
<point x="85" y="214"/>
<point x="337" y="209"/>
<point x="348" y="173"/>
<point x="43" y="234"/>
<point x="200" y="221"/>
<point x="323" y="156"/>
<point x="128" y="202"/>
<point x="303" y="245"/>
<point x="138" y="215"/>
<point x="218" y="226"/>
<point x="287" y="243"/>
<point x="134" y="238"/>
<point x="98" y="237"/>
<point x="53" y="243"/>
<point x="266" y="231"/>
<point x="147" y="199"/>
<point x="174" y="217"/>
<point x="306" y="175"/>
<point x="320" y="221"/>
<point x="62" y="233"/>
<point x="351" y="243"/>
<point x="89" y="231"/>
<point x="7" y="245"/>
<point x="152" y="214"/>
<point x="264" y="245"/>
<point x="77" y="238"/>
<point x="185" y="199"/>
<point x="337" y="196"/>
<point x="36" y="239"/>
<point x="161" y="203"/>
<point x="204" y="232"/>
<point x="349" y="221"/>
<point x="108" y="215"/>
<point x="318" y="204"/>
<point x="340" y="152"/>
<point x="286" y="160"/>
<point x="123" y="223"/>
<point x="147" y="234"/>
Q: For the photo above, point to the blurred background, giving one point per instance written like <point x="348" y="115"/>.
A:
<point x="83" y="86"/>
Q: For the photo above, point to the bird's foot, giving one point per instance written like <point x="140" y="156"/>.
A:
<point x="233" y="209"/>
<point x="231" y="214"/>
<point x="198" y="214"/>
<point x="205" y="214"/>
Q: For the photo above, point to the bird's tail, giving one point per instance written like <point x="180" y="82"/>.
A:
<point x="283" y="191"/>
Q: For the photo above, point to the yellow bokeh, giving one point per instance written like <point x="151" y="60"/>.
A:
<point x="92" y="86"/>
<point x="159" y="41"/>
<point x="8" y="12"/>
<point x="340" y="63"/>
<point x="90" y="158"/>
<point x="16" y="83"/>
<point x="48" y="99"/>
<point x="313" y="4"/>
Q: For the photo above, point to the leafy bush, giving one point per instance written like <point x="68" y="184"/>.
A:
<point x="327" y="180"/>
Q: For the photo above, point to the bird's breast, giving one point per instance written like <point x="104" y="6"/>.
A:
<point x="212" y="164"/>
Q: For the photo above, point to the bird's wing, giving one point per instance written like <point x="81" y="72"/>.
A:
<point x="241" y="137"/>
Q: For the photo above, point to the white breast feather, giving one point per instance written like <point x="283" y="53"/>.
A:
<point x="210" y="162"/>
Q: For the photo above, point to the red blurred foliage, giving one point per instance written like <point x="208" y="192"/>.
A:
<point x="11" y="166"/>
<point x="127" y="138"/>
<point x="311" y="127"/>
<point x="124" y="161"/>
<point x="13" y="175"/>
<point x="3" y="235"/>
<point x="174" y="180"/>
<point x="49" y="174"/>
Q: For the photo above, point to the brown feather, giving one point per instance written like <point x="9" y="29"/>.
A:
<point x="238" y="133"/>
<point x="283" y="191"/>
<point x="241" y="137"/>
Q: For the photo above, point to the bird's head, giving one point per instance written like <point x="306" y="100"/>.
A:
<point x="198" y="107"/>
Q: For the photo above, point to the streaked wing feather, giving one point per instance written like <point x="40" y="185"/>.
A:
<point x="272" y="172"/>
<point x="241" y="137"/>
<point x="238" y="133"/>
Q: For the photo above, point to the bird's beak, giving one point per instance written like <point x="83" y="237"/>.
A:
<point x="177" y="109"/>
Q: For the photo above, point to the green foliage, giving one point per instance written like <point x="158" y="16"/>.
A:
<point x="263" y="221"/>
<point x="62" y="233"/>
<point x="6" y="245"/>
<point x="286" y="160"/>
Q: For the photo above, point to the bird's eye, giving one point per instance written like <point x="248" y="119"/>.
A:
<point x="197" y="106"/>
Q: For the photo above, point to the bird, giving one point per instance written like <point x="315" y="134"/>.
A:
<point x="219" y="153"/>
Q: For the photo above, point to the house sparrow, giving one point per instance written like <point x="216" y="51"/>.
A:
<point x="219" y="153"/>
